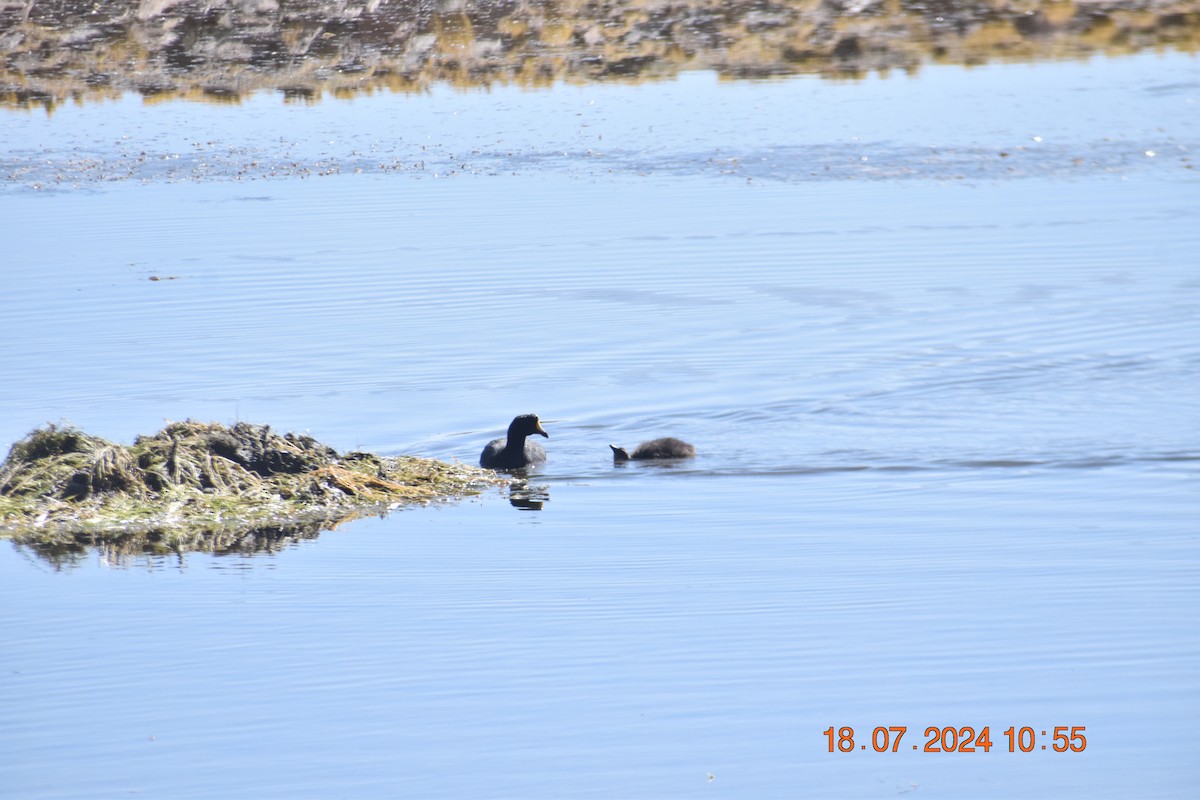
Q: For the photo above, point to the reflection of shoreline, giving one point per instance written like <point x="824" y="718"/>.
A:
<point x="223" y="50"/>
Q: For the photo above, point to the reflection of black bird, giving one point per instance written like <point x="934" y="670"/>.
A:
<point x="666" y="447"/>
<point x="526" y="497"/>
<point x="514" y="452"/>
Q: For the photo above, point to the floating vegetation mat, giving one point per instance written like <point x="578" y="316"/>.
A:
<point x="197" y="486"/>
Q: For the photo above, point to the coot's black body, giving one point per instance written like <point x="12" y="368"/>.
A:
<point x="666" y="447"/>
<point x="514" y="452"/>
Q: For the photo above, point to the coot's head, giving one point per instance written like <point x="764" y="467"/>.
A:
<point x="619" y="453"/>
<point x="527" y="425"/>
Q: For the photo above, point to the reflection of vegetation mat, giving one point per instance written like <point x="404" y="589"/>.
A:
<point x="203" y="486"/>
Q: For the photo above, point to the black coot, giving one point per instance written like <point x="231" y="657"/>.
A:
<point x="514" y="452"/>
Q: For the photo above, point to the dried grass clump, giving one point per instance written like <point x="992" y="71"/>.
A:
<point x="195" y="485"/>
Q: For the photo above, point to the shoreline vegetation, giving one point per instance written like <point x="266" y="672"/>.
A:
<point x="207" y="487"/>
<point x="224" y="50"/>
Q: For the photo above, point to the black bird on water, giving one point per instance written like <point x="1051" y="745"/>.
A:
<point x="514" y="452"/>
<point x="666" y="447"/>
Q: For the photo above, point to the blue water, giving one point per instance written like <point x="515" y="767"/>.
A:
<point x="946" y="435"/>
<point x="631" y="639"/>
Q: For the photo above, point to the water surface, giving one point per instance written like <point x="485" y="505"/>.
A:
<point x="945" y="422"/>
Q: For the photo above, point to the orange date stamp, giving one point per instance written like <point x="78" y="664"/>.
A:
<point x="949" y="739"/>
